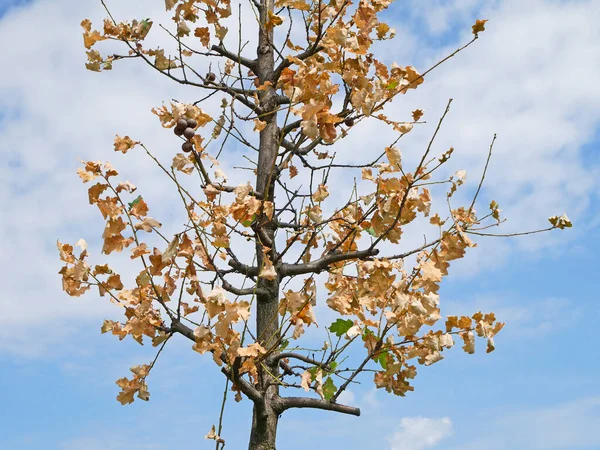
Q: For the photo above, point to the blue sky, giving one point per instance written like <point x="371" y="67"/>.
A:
<point x="531" y="78"/>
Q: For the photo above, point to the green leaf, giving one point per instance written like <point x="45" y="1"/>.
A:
<point x="392" y="85"/>
<point x="340" y="327"/>
<point x="367" y="333"/>
<point x="371" y="231"/>
<point x="145" y="24"/>
<point x="333" y="365"/>
<point x="382" y="359"/>
<point x="135" y="202"/>
<point x="249" y="222"/>
<point x="329" y="389"/>
<point x="284" y="344"/>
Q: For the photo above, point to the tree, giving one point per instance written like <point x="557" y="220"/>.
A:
<point x="278" y="234"/>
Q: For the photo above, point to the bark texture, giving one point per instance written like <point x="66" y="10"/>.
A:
<point x="264" y="418"/>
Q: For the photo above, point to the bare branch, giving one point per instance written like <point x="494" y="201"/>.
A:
<point x="249" y="63"/>
<point x="411" y="252"/>
<point x="243" y="268"/>
<point x="322" y="263"/>
<point x="306" y="359"/>
<point x="236" y="291"/>
<point x="525" y="233"/>
<point x="284" y="403"/>
<point x="487" y="162"/>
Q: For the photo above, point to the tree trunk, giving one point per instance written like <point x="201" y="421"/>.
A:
<point x="264" y="418"/>
<point x="264" y="429"/>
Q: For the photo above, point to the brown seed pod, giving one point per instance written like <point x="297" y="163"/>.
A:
<point x="189" y="133"/>
<point x="182" y="123"/>
<point x="178" y="130"/>
<point x="211" y="76"/>
<point x="187" y="147"/>
<point x="349" y="122"/>
<point x="191" y="123"/>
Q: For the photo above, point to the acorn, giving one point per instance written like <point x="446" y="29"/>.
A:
<point x="187" y="147"/>
<point x="189" y="133"/>
<point x="191" y="123"/>
<point x="349" y="122"/>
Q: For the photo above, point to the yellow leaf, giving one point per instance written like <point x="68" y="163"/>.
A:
<point x="90" y="37"/>
<point x="126" y="397"/>
<point x="86" y="24"/>
<point x="394" y="157"/>
<point x="433" y="357"/>
<point x="479" y="26"/>
<point x="147" y="224"/>
<point x="124" y="144"/>
<point x="182" y="163"/>
<point x="561" y="222"/>
<point x="221" y="32"/>
<point x="259" y="125"/>
<point x="204" y="34"/>
<point x="212" y="434"/>
<point x="81" y="244"/>
<point x="268" y="271"/>
<point x="469" y="340"/>
<point x="171" y="250"/>
<point x="94" y="60"/>
<point x="140" y="250"/>
<point x="183" y="29"/>
<point x="140" y="209"/>
<point x="300" y="5"/>
<point x="125" y="186"/>
<point x="85" y="175"/>
<point x="274" y="21"/>
<point x="215" y="302"/>
<point x="306" y="378"/>
<point x="252" y="350"/>
<point x="143" y="393"/>
<point x="107" y="326"/>
<point x="321" y="193"/>
<point x="382" y="30"/>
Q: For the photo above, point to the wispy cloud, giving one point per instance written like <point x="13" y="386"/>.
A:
<point x="420" y="433"/>
<point x="564" y="426"/>
<point x="525" y="317"/>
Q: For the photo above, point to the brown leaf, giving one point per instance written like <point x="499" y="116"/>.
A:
<point x="204" y="34"/>
<point x="124" y="144"/>
<point x="417" y="114"/>
<point x="479" y="26"/>
<point x="140" y="209"/>
<point x="147" y="224"/>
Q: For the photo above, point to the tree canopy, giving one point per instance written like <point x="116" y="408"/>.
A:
<point x="242" y="278"/>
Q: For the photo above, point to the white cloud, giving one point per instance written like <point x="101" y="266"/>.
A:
<point x="347" y="397"/>
<point x="370" y="400"/>
<point x="420" y="433"/>
<point x="565" y="426"/>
